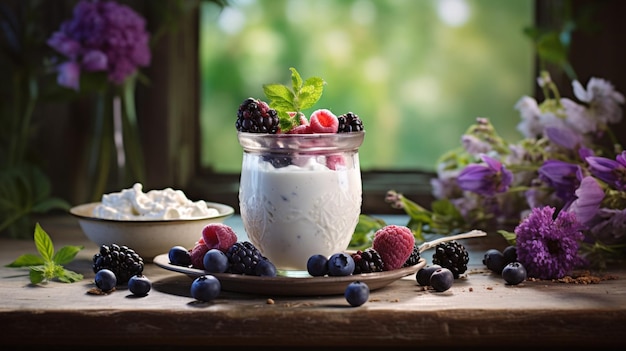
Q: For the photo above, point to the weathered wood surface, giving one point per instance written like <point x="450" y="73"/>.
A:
<point x="479" y="309"/>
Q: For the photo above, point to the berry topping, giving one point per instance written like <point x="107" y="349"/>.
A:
<point x="394" y="244"/>
<point x="357" y="293"/>
<point x="218" y="236"/>
<point x="255" y="116"/>
<point x="323" y="121"/>
<point x="349" y="122"/>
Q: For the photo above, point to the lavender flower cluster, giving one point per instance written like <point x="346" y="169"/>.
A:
<point x="562" y="187"/>
<point x="101" y="36"/>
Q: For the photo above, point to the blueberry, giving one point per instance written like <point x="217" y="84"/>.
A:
<point x="494" y="260"/>
<point x="215" y="261"/>
<point x="139" y="285"/>
<point x="317" y="265"/>
<point x="105" y="279"/>
<point x="340" y="264"/>
<point x="205" y="288"/>
<point x="514" y="273"/>
<point x="442" y="279"/>
<point x="423" y="275"/>
<point x="357" y="293"/>
<point x="179" y="256"/>
<point x="510" y="254"/>
<point x="265" y="268"/>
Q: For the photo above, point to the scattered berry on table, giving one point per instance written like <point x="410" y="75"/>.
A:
<point x="441" y="279"/>
<point x="197" y="254"/>
<point x="215" y="261"/>
<point x="357" y="293"/>
<point x="494" y="260"/>
<point x="123" y="261"/>
<point x="243" y="257"/>
<point x="218" y="236"/>
<point x="323" y="121"/>
<point x="367" y="261"/>
<point x="179" y="256"/>
<point x="205" y="288"/>
<point x="510" y="254"/>
<point x="451" y="255"/>
<point x="255" y="116"/>
<point x="423" y="275"/>
<point x="265" y="268"/>
<point x="340" y="264"/>
<point x="414" y="258"/>
<point x="514" y="273"/>
<point x="394" y="244"/>
<point x="105" y="280"/>
<point x="139" y="285"/>
<point x="317" y="265"/>
<point x="349" y="122"/>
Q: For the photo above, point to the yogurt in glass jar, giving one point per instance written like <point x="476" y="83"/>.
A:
<point x="300" y="194"/>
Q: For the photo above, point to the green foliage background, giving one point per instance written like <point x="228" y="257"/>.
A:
<point x="416" y="82"/>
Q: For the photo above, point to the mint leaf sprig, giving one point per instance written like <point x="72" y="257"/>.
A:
<point x="301" y="96"/>
<point x="49" y="264"/>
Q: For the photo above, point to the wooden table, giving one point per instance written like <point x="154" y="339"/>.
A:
<point x="479" y="309"/>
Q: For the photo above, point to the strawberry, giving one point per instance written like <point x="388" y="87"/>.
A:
<point x="323" y="121"/>
<point x="218" y="236"/>
<point x="394" y="244"/>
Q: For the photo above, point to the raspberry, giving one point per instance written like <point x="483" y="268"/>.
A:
<point x="323" y="121"/>
<point x="335" y="162"/>
<point x="218" y="236"/>
<point x="394" y="244"/>
<point x="349" y="122"/>
<point x="197" y="255"/>
<point x="255" y="116"/>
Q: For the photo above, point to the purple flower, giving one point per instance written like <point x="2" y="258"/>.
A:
<point x="102" y="36"/>
<point x="610" y="227"/>
<point x="589" y="196"/>
<point x="613" y="172"/>
<point x="564" y="177"/>
<point x="548" y="247"/>
<point x="485" y="179"/>
<point x="564" y="137"/>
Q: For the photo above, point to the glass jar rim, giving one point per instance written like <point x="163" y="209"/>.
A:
<point x="301" y="143"/>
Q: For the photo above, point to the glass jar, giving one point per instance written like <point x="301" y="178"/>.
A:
<point x="300" y="194"/>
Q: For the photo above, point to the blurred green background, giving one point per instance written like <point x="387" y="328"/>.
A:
<point x="418" y="73"/>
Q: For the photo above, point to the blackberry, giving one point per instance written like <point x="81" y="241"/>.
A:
<point x="255" y="116"/>
<point x="414" y="258"/>
<point x="367" y="261"/>
<point x="243" y="257"/>
<point x="451" y="255"/>
<point x="349" y="122"/>
<point x="123" y="261"/>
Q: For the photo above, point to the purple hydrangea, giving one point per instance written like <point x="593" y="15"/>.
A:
<point x="485" y="179"/>
<point x="102" y="36"/>
<point x="548" y="246"/>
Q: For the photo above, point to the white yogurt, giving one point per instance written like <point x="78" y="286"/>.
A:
<point x="134" y="204"/>
<point x="292" y="213"/>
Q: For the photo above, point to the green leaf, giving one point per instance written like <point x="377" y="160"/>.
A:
<point x="44" y="244"/>
<point x="365" y="229"/>
<point x="26" y="260"/>
<point x="296" y="80"/>
<point x="68" y="276"/>
<point x="51" y="203"/>
<point x="66" y="254"/>
<point x="278" y="94"/>
<point x="510" y="237"/>
<point x="36" y="275"/>
<point x="311" y="92"/>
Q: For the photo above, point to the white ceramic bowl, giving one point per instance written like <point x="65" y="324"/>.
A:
<point x="148" y="238"/>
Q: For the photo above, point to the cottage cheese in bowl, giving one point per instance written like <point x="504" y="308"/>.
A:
<point x="166" y="204"/>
